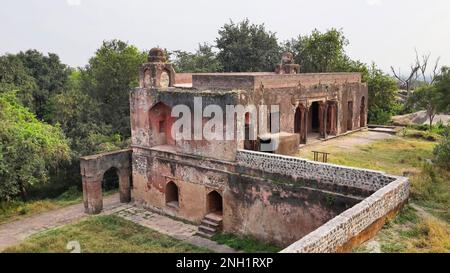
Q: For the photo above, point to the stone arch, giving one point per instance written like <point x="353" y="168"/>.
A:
<point x="147" y="78"/>
<point x="362" y="113"/>
<point x="214" y="202"/>
<point x="172" y="195"/>
<point x="161" y="122"/>
<point x="93" y="169"/>
<point x="165" y="78"/>
<point x="111" y="179"/>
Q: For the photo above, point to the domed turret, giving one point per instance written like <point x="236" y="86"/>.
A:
<point x="157" y="55"/>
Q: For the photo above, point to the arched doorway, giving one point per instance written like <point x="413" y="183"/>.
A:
<point x="362" y="114"/>
<point x="172" y="195"/>
<point x="110" y="181"/>
<point x="214" y="203"/>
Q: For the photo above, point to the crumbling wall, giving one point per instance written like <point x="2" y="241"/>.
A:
<point x="277" y="211"/>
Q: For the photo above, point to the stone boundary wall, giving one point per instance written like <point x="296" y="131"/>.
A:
<point x="337" y="232"/>
<point x="390" y="192"/>
<point x="307" y="169"/>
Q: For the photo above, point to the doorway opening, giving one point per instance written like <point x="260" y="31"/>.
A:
<point x="110" y="180"/>
<point x="172" y="195"/>
<point x="214" y="203"/>
<point x="315" y="122"/>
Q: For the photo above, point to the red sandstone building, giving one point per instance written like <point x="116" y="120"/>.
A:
<point x="219" y="184"/>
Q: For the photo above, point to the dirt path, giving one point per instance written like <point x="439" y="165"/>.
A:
<point x="13" y="232"/>
<point x="176" y="229"/>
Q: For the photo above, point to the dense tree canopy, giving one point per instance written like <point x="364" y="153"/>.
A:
<point x="29" y="148"/>
<point x="203" y="60"/>
<point x="319" y="52"/>
<point x="382" y="92"/>
<point x="36" y="76"/>
<point x="108" y="77"/>
<point x="245" y="47"/>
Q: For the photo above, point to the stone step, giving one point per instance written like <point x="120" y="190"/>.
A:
<point x="215" y="218"/>
<point x="173" y="205"/>
<point x="208" y="223"/>
<point x="207" y="230"/>
<point x="204" y="235"/>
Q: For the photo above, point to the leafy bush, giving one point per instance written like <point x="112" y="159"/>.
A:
<point x="426" y="135"/>
<point x="442" y="153"/>
<point x="29" y="148"/>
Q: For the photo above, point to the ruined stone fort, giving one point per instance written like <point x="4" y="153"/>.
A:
<point x="237" y="187"/>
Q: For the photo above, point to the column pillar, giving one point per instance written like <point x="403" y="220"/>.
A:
<point x="325" y="118"/>
<point x="125" y="185"/>
<point x="321" y="110"/>
<point x="92" y="195"/>
<point x="333" y="118"/>
<point x="305" y="124"/>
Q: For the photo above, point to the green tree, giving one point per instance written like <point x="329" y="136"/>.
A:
<point x="29" y="148"/>
<point x="36" y="76"/>
<point x="426" y="97"/>
<point x="108" y="77"/>
<point x="245" y="47"/>
<point x="382" y="92"/>
<point x="50" y="76"/>
<point x="14" y="75"/>
<point x="203" y="60"/>
<point x="442" y="85"/>
<point x="320" y="52"/>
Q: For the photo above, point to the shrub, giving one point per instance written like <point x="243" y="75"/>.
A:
<point x="442" y="153"/>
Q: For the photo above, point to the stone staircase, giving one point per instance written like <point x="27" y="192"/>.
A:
<point x="210" y="225"/>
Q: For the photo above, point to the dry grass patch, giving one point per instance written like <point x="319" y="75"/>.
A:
<point x="104" y="234"/>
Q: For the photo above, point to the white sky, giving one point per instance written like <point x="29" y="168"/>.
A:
<point x="384" y="31"/>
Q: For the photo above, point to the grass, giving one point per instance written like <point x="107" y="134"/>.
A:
<point x="245" y="243"/>
<point x="100" y="234"/>
<point x="14" y="210"/>
<point x="415" y="231"/>
<point x="423" y="230"/>
<point x="394" y="156"/>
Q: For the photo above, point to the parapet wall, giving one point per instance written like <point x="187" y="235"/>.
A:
<point x="252" y="81"/>
<point x="321" y="172"/>
<point x="354" y="225"/>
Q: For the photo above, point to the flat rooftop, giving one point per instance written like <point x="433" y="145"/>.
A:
<point x="254" y="80"/>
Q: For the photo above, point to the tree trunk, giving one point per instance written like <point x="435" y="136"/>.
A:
<point x="23" y="192"/>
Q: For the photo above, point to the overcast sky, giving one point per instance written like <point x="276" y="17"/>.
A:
<point x="383" y="31"/>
